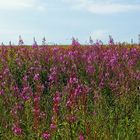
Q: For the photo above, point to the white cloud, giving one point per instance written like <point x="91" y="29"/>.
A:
<point x="21" y="5"/>
<point x="99" y="34"/>
<point x="102" y="7"/>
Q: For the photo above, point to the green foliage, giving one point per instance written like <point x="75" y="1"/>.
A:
<point x="99" y="111"/>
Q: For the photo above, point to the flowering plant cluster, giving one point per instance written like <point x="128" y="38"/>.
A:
<point x="70" y="92"/>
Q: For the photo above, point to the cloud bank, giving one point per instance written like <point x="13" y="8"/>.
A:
<point x="21" y="5"/>
<point x="102" y="7"/>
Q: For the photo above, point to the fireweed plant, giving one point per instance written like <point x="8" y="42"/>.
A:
<point x="70" y="93"/>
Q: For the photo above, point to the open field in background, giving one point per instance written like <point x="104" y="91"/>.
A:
<point x="70" y="92"/>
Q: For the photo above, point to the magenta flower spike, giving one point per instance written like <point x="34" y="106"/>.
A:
<point x="44" y="41"/>
<point x="17" y="130"/>
<point x="75" y="42"/>
<point x="46" y="135"/>
<point x="111" y="40"/>
<point x="20" y="42"/>
<point x="34" y="42"/>
<point x="81" y="137"/>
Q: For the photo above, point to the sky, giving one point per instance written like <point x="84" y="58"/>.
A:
<point x="60" y="20"/>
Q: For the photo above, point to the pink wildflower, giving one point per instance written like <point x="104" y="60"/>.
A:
<point x="46" y="135"/>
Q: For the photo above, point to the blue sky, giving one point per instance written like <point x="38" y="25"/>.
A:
<point x="60" y="20"/>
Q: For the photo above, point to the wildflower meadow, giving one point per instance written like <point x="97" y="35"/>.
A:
<point x="75" y="92"/>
